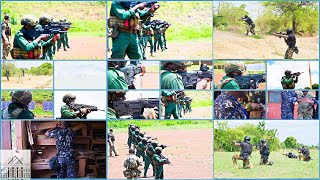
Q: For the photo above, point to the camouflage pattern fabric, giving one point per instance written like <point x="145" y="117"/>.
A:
<point x="305" y="109"/>
<point x="227" y="107"/>
<point x="131" y="164"/>
<point x="287" y="104"/>
<point x="246" y="162"/>
<point x="289" y="53"/>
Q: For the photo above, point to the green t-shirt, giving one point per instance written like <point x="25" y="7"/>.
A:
<point x="232" y="84"/>
<point x="170" y="80"/>
<point x="116" y="80"/>
<point x="67" y="113"/>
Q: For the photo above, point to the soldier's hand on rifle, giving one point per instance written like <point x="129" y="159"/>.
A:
<point x="85" y="110"/>
<point x="140" y="5"/>
<point x="44" y="36"/>
<point x="56" y="37"/>
<point x="203" y="83"/>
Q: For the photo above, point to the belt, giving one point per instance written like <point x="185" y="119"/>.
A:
<point x="127" y="30"/>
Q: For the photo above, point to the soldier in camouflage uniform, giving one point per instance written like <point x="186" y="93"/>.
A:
<point x="149" y="154"/>
<point x="68" y="113"/>
<point x="63" y="37"/>
<point x="147" y="37"/>
<point x="141" y="148"/>
<point x="131" y="129"/>
<point x="18" y="108"/>
<point x="25" y="45"/>
<point x="47" y="46"/>
<point x="304" y="154"/>
<point x="158" y="161"/>
<point x="265" y="152"/>
<point x="188" y="101"/>
<point x="290" y="40"/>
<point x="226" y="106"/>
<point x="305" y="105"/>
<point x="170" y="79"/>
<point x="132" y="164"/>
<point x="246" y="150"/>
<point x="6" y="35"/>
<point x="65" y="150"/>
<point x="249" y="25"/>
<point x="288" y="81"/>
<point x="231" y="68"/>
<point x="287" y="105"/>
<point x="111" y="140"/>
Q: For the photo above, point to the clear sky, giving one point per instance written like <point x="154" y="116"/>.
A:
<point x="305" y="131"/>
<point x="80" y="75"/>
<point x="94" y="98"/>
<point x="133" y="95"/>
<point x="276" y="70"/>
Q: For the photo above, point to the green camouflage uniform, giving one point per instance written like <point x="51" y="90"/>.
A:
<point x="6" y="47"/>
<point x="171" y="107"/>
<point x="305" y="109"/>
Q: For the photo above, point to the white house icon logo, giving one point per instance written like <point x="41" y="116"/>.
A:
<point x="15" y="165"/>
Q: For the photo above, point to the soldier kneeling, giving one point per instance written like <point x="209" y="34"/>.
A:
<point x="246" y="150"/>
<point x="265" y="152"/>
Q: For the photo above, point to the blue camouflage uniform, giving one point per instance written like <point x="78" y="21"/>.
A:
<point x="65" y="152"/>
<point x="227" y="107"/>
<point x="287" y="104"/>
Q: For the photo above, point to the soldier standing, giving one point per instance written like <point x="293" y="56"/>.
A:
<point x="158" y="161"/>
<point x="111" y="140"/>
<point x="233" y="68"/>
<point x="68" y="113"/>
<point x="290" y="40"/>
<point x="170" y="79"/>
<point x="132" y="164"/>
<point x="6" y="35"/>
<point x="170" y="103"/>
<point x="287" y="104"/>
<point x="288" y="81"/>
<point x="249" y="25"/>
<point x="246" y="150"/>
<point x="65" y="149"/>
<point x="305" y="105"/>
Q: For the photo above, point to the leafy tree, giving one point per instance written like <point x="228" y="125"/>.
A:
<point x="290" y="142"/>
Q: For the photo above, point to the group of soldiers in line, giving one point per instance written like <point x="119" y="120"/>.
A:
<point x="131" y="28"/>
<point x="307" y="105"/>
<point x="175" y="102"/>
<point x="28" y="46"/>
<point x="149" y="149"/>
<point x="247" y="147"/>
<point x="288" y="36"/>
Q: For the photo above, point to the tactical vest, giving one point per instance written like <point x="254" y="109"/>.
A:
<point x="291" y="40"/>
<point x="132" y="162"/>
<point x="288" y="86"/>
<point x="128" y="26"/>
<point x="265" y="150"/>
<point x="18" y="53"/>
<point x="246" y="149"/>
<point x="7" y="30"/>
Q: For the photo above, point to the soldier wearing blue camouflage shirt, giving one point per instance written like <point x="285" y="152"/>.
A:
<point x="226" y="106"/>
<point x="65" y="149"/>
<point x="287" y="104"/>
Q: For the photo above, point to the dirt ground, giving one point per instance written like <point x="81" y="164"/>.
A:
<point x="218" y="77"/>
<point x="27" y="82"/>
<point x="83" y="48"/>
<point x="197" y="113"/>
<point x="229" y="45"/>
<point x="190" y="151"/>
<point x="150" y="81"/>
<point x="197" y="50"/>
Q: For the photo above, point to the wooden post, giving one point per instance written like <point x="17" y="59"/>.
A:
<point x="21" y="135"/>
<point x="6" y="135"/>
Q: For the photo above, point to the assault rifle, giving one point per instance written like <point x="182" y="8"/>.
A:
<point x="168" y="161"/>
<point x="130" y="71"/>
<point x="134" y="108"/>
<point x="296" y="73"/>
<point x="279" y="34"/>
<point x="250" y="81"/>
<point x="52" y="28"/>
<point x="190" y="79"/>
<point x="78" y="107"/>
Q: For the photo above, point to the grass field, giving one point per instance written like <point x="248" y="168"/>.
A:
<point x="200" y="98"/>
<point x="88" y="18"/>
<point x="283" y="166"/>
<point x="122" y="125"/>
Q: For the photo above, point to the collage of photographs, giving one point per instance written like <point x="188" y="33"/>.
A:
<point x="154" y="89"/>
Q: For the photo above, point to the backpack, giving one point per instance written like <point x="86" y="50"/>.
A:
<point x="132" y="163"/>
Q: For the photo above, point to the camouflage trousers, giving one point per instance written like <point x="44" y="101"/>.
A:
<point x="112" y="149"/>
<point x="264" y="160"/>
<point x="304" y="157"/>
<point x="5" y="50"/>
<point x="305" y="114"/>
<point x="246" y="162"/>
<point x="132" y="173"/>
<point x="250" y="28"/>
<point x="67" y="168"/>
<point x="289" y="53"/>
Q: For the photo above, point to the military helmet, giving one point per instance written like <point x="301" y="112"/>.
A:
<point x="246" y="16"/>
<point x="263" y="141"/>
<point x="154" y="143"/>
<point x="68" y="98"/>
<point x="141" y="134"/>
<point x="178" y="63"/>
<point x="29" y="20"/>
<point x="111" y="130"/>
<point x="234" y="66"/>
<point x="45" y="19"/>
<point x="289" y="31"/>
<point x="63" y="19"/>
<point x="6" y="16"/>
<point x="144" y="140"/>
<point x="158" y="150"/>
<point x="246" y="138"/>
<point x="287" y="72"/>
<point x="22" y="97"/>
<point x="131" y="151"/>
<point x="133" y="128"/>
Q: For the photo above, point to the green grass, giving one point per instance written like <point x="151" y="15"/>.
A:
<point x="122" y="125"/>
<point x="152" y="69"/>
<point x="256" y="37"/>
<point x="39" y="96"/>
<point x="283" y="166"/>
<point x="200" y="98"/>
<point x="88" y="18"/>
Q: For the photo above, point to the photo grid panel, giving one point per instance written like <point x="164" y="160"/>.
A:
<point x="266" y="89"/>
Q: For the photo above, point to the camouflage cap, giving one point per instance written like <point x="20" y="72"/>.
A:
<point x="234" y="66"/>
<point x="178" y="63"/>
<point x="45" y="19"/>
<point x="131" y="151"/>
<point x="68" y="97"/>
<point x="29" y="20"/>
<point x="158" y="149"/>
<point x="22" y="97"/>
